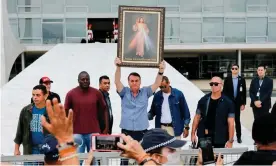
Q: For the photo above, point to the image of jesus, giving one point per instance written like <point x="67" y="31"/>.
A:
<point x="141" y="39"/>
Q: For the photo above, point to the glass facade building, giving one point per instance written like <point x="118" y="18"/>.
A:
<point x="187" y="21"/>
<point x="43" y="22"/>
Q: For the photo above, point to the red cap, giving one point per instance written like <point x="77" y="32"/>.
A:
<point x="45" y="79"/>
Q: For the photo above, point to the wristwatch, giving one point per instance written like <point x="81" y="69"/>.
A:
<point x="187" y="127"/>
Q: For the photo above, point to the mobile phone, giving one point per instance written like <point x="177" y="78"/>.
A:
<point x="208" y="153"/>
<point x="105" y="143"/>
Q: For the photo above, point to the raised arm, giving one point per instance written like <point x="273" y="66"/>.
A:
<point x="159" y="77"/>
<point x="118" y="83"/>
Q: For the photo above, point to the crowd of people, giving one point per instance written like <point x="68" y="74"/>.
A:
<point x="61" y="132"/>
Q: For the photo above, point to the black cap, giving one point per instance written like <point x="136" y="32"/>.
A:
<point x="156" y="138"/>
<point x="264" y="129"/>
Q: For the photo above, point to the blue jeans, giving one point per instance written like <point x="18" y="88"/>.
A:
<point x="84" y="142"/>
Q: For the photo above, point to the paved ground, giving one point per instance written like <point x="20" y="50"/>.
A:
<point x="246" y="115"/>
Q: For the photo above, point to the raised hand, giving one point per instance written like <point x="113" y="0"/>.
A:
<point x="60" y="125"/>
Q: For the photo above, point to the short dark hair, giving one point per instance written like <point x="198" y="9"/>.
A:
<point x="42" y="88"/>
<point x="264" y="129"/>
<point x="157" y="150"/>
<point x="103" y="77"/>
<point x="261" y="65"/>
<point x="165" y="78"/>
<point x="234" y="64"/>
<point x="83" y="72"/>
<point x="134" y="74"/>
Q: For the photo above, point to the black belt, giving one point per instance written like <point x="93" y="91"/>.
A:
<point x="167" y="124"/>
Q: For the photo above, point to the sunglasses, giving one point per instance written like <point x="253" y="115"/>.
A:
<point x="214" y="83"/>
<point x="234" y="68"/>
<point x="162" y="87"/>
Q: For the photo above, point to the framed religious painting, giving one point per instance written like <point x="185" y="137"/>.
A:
<point x="141" y="36"/>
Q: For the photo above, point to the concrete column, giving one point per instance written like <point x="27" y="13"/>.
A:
<point x="239" y="60"/>
<point x="22" y="61"/>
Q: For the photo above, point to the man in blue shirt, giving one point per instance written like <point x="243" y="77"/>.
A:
<point x="171" y="110"/>
<point x="134" y="120"/>
<point x="30" y="131"/>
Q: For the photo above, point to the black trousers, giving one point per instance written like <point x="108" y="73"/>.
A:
<point x="136" y="135"/>
<point x="110" y="125"/>
<point x="258" y="112"/>
<point x="238" y="121"/>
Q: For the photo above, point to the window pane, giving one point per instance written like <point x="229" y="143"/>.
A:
<point x="190" y="32"/>
<point x="29" y="27"/>
<point x="235" y="5"/>
<point x="14" y="27"/>
<point x="53" y="20"/>
<point x="168" y="2"/>
<point x="28" y="9"/>
<point x="256" y="39"/>
<point x="52" y="33"/>
<point x="75" y="27"/>
<point x="12" y="5"/>
<point x="172" y="27"/>
<point x="256" y="27"/>
<point x="122" y="2"/>
<point x="76" y="20"/>
<point x="74" y="39"/>
<point x="212" y="27"/>
<point x="31" y="41"/>
<point x="272" y="31"/>
<point x="73" y="9"/>
<point x="171" y="40"/>
<point x="103" y="6"/>
<point x="272" y="5"/>
<point x="76" y="2"/>
<point x="235" y="32"/>
<point x="53" y="6"/>
<point x="145" y="3"/>
<point x="213" y="6"/>
<point x="190" y="6"/>
<point x="29" y="2"/>
<point x="257" y="2"/>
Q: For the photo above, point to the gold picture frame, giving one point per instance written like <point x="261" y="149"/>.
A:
<point x="141" y="36"/>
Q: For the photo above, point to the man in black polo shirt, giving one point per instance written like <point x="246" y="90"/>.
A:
<point x="46" y="81"/>
<point x="215" y="117"/>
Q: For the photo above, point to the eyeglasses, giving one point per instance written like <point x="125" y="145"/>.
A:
<point x="162" y="87"/>
<point x="214" y="83"/>
<point x="234" y="68"/>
